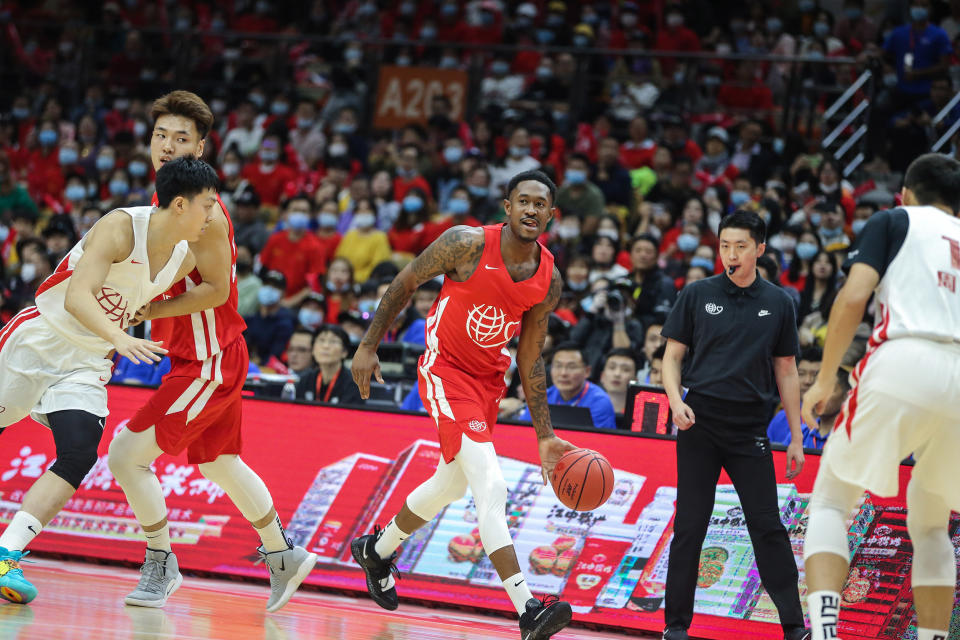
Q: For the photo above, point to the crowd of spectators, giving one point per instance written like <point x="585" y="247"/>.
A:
<point x="327" y="210"/>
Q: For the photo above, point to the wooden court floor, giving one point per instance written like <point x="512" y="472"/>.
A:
<point x="79" y="602"/>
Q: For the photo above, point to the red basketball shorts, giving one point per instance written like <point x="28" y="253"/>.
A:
<point x="197" y="406"/>
<point x="459" y="404"/>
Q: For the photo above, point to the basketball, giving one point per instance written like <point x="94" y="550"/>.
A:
<point x="583" y="479"/>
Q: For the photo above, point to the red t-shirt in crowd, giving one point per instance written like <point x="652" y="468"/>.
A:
<point x="634" y="155"/>
<point x="406" y="240"/>
<point x="294" y="259"/>
<point x="270" y="185"/>
<point x="328" y="246"/>
<point x="402" y="185"/>
<point x="44" y="175"/>
<point x="433" y="230"/>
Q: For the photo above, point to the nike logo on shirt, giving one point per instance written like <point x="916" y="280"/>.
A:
<point x="135" y="262"/>
<point x="763" y="312"/>
<point x="486" y="266"/>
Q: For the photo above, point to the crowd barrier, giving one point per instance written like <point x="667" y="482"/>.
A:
<point x="335" y="472"/>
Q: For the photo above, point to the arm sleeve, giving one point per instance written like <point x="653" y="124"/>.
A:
<point x="880" y="241"/>
<point x="679" y="323"/>
<point x="788" y="342"/>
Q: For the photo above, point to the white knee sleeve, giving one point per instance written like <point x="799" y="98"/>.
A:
<point x="241" y="484"/>
<point x="446" y="485"/>
<point x="830" y="507"/>
<point x="482" y="470"/>
<point x="129" y="460"/>
<point x="928" y="517"/>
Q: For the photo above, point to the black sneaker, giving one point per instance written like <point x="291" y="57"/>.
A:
<point x="377" y="570"/>
<point x="675" y="633"/>
<point x="543" y="618"/>
<point x="797" y="633"/>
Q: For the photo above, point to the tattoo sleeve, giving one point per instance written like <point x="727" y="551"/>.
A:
<point x="533" y="374"/>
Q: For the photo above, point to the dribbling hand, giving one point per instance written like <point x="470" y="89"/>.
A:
<point x="683" y="416"/>
<point x="365" y="364"/>
<point x="551" y="450"/>
<point x="138" y="350"/>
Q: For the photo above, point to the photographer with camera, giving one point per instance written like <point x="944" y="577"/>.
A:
<point x="608" y="322"/>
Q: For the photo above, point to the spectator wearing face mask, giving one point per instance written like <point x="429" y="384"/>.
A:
<point x="12" y="195"/>
<point x="578" y="195"/>
<point x="408" y="173"/>
<point x="35" y="266"/>
<point x="406" y="234"/>
<point x="808" y="245"/>
<point x="831" y="229"/>
<point x="294" y="251"/>
<point x="248" y="284"/>
<point x="42" y="166"/>
<point x="457" y="212"/>
<point x="247" y="133"/>
<point x="517" y="160"/>
<point x="364" y="246"/>
<point x="268" y="174"/>
<point x="269" y="329"/>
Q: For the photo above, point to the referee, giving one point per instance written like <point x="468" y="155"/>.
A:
<point x="739" y="335"/>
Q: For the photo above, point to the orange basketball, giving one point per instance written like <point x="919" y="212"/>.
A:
<point x="583" y="479"/>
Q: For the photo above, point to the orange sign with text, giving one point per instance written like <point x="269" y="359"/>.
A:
<point x="404" y="94"/>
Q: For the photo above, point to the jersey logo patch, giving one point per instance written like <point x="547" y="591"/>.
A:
<point x="113" y="304"/>
<point x="713" y="309"/>
<point x="763" y="312"/>
<point x="487" y="326"/>
<point x="477" y="425"/>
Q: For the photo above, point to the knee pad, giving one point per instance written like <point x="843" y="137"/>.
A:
<point x="77" y="436"/>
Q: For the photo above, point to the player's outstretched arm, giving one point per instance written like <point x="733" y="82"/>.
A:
<point x="110" y="241"/>
<point x="215" y="264"/>
<point x="457" y="250"/>
<point x="533" y="376"/>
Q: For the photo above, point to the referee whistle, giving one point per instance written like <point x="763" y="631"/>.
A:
<point x="731" y="269"/>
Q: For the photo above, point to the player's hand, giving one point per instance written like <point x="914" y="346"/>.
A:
<point x="365" y="364"/>
<point x="141" y="316"/>
<point x="551" y="450"/>
<point x="683" y="416"/>
<point x="813" y="401"/>
<point x="794" y="459"/>
<point x="138" y="350"/>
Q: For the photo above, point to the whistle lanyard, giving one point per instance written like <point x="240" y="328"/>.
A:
<point x="333" y="381"/>
<point x="586" y="387"/>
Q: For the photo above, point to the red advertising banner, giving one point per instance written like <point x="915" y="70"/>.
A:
<point x="336" y="472"/>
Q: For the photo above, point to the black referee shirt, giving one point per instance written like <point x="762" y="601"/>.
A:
<point x="732" y="334"/>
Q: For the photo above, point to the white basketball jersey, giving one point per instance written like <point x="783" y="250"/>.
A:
<point x="917" y="296"/>
<point x="126" y="288"/>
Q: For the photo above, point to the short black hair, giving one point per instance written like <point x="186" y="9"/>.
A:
<point x="742" y="219"/>
<point x="571" y="346"/>
<point x="307" y="331"/>
<point x="811" y="354"/>
<point x="623" y="353"/>
<point x="645" y="237"/>
<point x="768" y="263"/>
<point x="660" y="352"/>
<point x="536" y="176"/>
<point x="337" y="331"/>
<point x="935" y="179"/>
<point x="185" y="176"/>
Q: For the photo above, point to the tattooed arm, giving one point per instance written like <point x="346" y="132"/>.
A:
<point x="533" y="376"/>
<point x="455" y="253"/>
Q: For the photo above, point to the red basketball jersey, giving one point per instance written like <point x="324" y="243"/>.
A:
<point x="204" y="334"/>
<point x="471" y="322"/>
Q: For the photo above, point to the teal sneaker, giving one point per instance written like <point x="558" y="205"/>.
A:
<point x="13" y="586"/>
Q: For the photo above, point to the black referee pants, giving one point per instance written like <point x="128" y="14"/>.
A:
<point x="745" y="455"/>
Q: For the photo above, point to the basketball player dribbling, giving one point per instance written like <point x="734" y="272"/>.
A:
<point x="55" y="358"/>
<point x="904" y="398"/>
<point x="198" y="404"/>
<point x="497" y="280"/>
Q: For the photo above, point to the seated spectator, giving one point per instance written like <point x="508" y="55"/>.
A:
<point x="406" y="235"/>
<point x="294" y="251"/>
<point x="807" y="369"/>
<point x="248" y="225"/>
<point x="655" y="375"/>
<point x="611" y="177"/>
<point x="821" y="283"/>
<point x="577" y="195"/>
<point x="652" y="340"/>
<point x="832" y="236"/>
<point x="458" y="212"/>
<point x="269" y="329"/>
<point x="330" y="380"/>
<point x="354" y="324"/>
<point x="364" y="246"/>
<point x="518" y="159"/>
<point x="603" y="255"/>
<point x="248" y="284"/>
<point x="424" y="297"/>
<point x="338" y="288"/>
<point x="298" y="351"/>
<point x="408" y="173"/>
<point x="653" y="291"/>
<point x="568" y="373"/>
<point x="327" y="222"/>
<point x="619" y="369"/>
<point x="608" y="325"/>
<point x="808" y="246"/>
<point x="313" y="311"/>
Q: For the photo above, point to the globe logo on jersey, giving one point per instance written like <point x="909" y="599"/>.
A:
<point x="487" y="326"/>
<point x="113" y="304"/>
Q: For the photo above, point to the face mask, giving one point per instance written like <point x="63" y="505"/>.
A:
<point x="587" y="304"/>
<point x="788" y="243"/>
<point x="137" y="169"/>
<point x="578" y="286"/>
<point x="75" y="192"/>
<point x="68" y="156"/>
<point x="345" y="128"/>
<point x="857" y="226"/>
<point x="229" y="55"/>
<point x="352" y="55"/>
<point x="403" y="61"/>
<point x="519" y="152"/>
<point x="628" y="20"/>
<point x="312" y="318"/>
<point x="852" y="13"/>
<point x="139" y="129"/>
<point x="458" y="206"/>
<point x="687" y="242"/>
<point x="104" y="163"/>
<point x="576" y="176"/>
<point x="590" y="18"/>
<point x="674" y="20"/>
<point x="829" y="188"/>
<point x="500" y="67"/>
<point x="724" y="49"/>
<point x="831" y="233"/>
<point x="182" y="24"/>
<point x="806" y="250"/>
<point x="821" y="29"/>
<point x="269" y="296"/>
<point x="774" y="25"/>
<point x="545" y="36"/>
<point x="47" y="137"/>
<point x="298" y="220"/>
<point x="304" y="123"/>
<point x="705" y="263"/>
<point x="257" y="99"/>
<point x="28" y="272"/>
<point x="231" y="169"/>
<point x="452" y="155"/>
<point x="555" y="20"/>
<point x="580" y="40"/>
<point x="919" y="14"/>
<point x="337" y="149"/>
<point x="21" y="113"/>
<point x="478" y="192"/>
<point x="568" y="231"/>
<point x="815" y="219"/>
<point x="412" y="203"/>
<point x="428" y="33"/>
<point x="4" y="233"/>
<point x="739" y="198"/>
<point x="327" y="220"/>
<point x="367" y="307"/>
<point x="91" y="190"/>
<point x="778" y="146"/>
<point x="268" y="157"/>
<point x="364" y="220"/>
<point x="523" y="22"/>
<point x="815" y="55"/>
<point x="218" y="24"/>
<point x="806" y="5"/>
<point x="609" y="233"/>
<point x="121" y="104"/>
<point x="544" y="73"/>
<point x="448" y="10"/>
<point x="890" y="79"/>
<point x="407" y="8"/>
<point x="279" y="108"/>
<point x="448" y="62"/>
<point x="119" y="188"/>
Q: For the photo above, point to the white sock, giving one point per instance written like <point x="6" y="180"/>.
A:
<point x="824" y="610"/>
<point x="273" y="537"/>
<point x="518" y="591"/>
<point x="21" y="530"/>
<point x="159" y="540"/>
<point x="931" y="634"/>
<point x="390" y="538"/>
